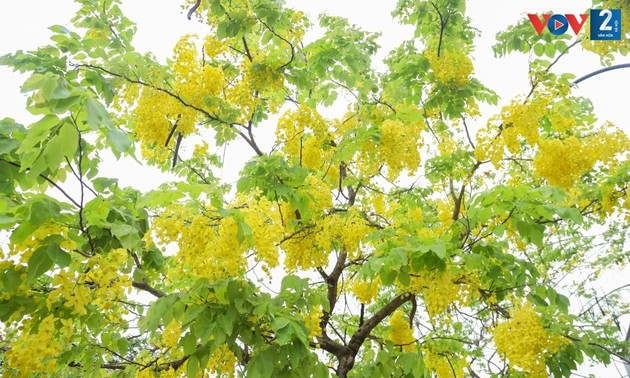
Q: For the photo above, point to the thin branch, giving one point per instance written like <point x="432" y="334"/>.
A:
<point x="443" y="22"/>
<point x="51" y="182"/>
<point x="247" y="52"/>
<point x="623" y="359"/>
<point x="468" y="133"/>
<point x="74" y="173"/>
<point x="176" y="97"/>
<point x="283" y="39"/>
<point x="176" y="152"/>
<point x="193" y="9"/>
<point x="531" y="91"/>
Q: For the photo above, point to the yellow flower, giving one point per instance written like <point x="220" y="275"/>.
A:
<point x="171" y="333"/>
<point x="401" y="334"/>
<point x="525" y="342"/>
<point x="312" y="321"/>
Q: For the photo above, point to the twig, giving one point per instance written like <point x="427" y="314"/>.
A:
<point x="193" y="9"/>
<point x="51" y="182"/>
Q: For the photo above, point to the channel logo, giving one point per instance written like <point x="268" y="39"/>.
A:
<point x="605" y="23"/>
<point x="557" y="24"/>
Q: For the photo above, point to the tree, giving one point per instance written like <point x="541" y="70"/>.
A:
<point x="397" y="242"/>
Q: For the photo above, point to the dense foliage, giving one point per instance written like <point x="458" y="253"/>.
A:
<point x="390" y="241"/>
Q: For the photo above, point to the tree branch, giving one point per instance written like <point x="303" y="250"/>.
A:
<point x="148" y="288"/>
<point x="363" y="332"/>
<point x="51" y="182"/>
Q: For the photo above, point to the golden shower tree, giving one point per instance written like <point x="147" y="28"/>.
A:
<point x="393" y="240"/>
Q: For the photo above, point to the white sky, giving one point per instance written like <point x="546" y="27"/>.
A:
<point x="23" y="25"/>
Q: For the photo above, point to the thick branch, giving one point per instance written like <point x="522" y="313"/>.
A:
<point x="148" y="288"/>
<point x="332" y="281"/>
<point x="364" y="331"/>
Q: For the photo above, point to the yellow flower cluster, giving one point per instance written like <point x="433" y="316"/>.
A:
<point x="525" y="342"/>
<point x="347" y="229"/>
<point x="102" y="285"/>
<point x="399" y="146"/>
<point x="211" y="250"/>
<point x="400" y="333"/>
<point x="309" y="247"/>
<point x="35" y="349"/>
<point x="562" y="162"/>
<point x="106" y="272"/>
<point x="319" y="193"/>
<point x="301" y="250"/>
<point x="156" y="112"/>
<point x="261" y="77"/>
<point x="213" y="47"/>
<point x="74" y="296"/>
<point x="193" y="79"/>
<point x="312" y="321"/>
<point x="155" y="115"/>
<point x="26" y="248"/>
<point x="518" y="121"/>
<point x="171" y="334"/>
<point x="443" y="365"/>
<point x="222" y="362"/>
<point x="263" y="217"/>
<point x="311" y="152"/>
<point x="440" y="289"/>
<point x="450" y="68"/>
<point x="521" y="120"/>
<point x="292" y="129"/>
<point x="365" y="291"/>
<point x="208" y="244"/>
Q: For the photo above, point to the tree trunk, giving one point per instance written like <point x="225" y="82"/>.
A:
<point x="346" y="362"/>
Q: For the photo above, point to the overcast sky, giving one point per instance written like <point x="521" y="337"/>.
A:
<point x="23" y="25"/>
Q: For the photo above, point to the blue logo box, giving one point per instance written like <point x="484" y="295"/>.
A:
<point x="605" y="24"/>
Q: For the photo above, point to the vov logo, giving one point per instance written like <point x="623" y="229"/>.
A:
<point x="557" y="24"/>
<point x="605" y="23"/>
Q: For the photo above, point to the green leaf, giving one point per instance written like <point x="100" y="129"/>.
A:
<point x="155" y="198"/>
<point x="550" y="50"/>
<point x="118" y="140"/>
<point x="189" y="343"/>
<point x="280" y="323"/>
<point x="10" y="279"/>
<point x="96" y="212"/>
<point x="8" y="145"/>
<point x="54" y="153"/>
<point x="388" y="277"/>
<point x="39" y="263"/>
<point x="123" y="346"/>
<point x="193" y="367"/>
<point x="69" y="137"/>
<point x="103" y="183"/>
<point x="296" y="283"/>
<point x="58" y="255"/>
<point x="37" y="133"/>
<point x="6" y="221"/>
<point x="96" y="114"/>
<point x="404" y="278"/>
<point x="203" y="326"/>
<point x="126" y="234"/>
